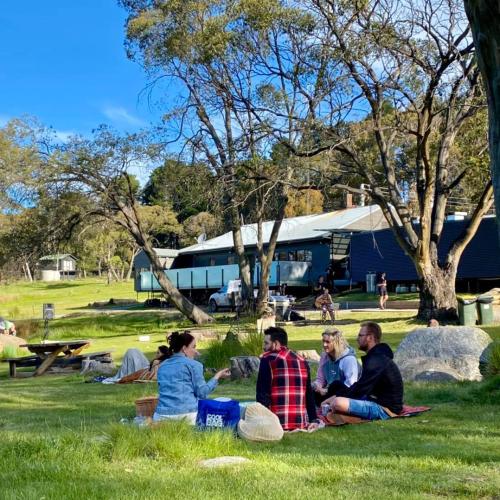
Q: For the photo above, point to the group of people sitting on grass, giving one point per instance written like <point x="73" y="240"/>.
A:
<point x="343" y="389"/>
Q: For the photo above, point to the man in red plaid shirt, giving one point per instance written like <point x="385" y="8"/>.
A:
<point x="284" y="383"/>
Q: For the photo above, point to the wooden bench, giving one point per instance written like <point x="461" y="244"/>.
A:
<point x="61" y="362"/>
<point x="21" y="362"/>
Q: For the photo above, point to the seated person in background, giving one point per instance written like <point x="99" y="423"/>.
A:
<point x="133" y="361"/>
<point x="180" y="380"/>
<point x="338" y="366"/>
<point x="7" y="327"/>
<point x="320" y="286"/>
<point x="378" y="394"/>
<point x="149" y="373"/>
<point x="325" y="303"/>
<point x="284" y="383"/>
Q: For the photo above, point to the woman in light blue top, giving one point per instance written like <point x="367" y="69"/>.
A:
<point x="180" y="380"/>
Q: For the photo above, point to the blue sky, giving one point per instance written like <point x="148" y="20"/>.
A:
<point x="63" y="61"/>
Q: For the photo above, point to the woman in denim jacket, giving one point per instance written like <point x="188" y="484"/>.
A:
<point x="180" y="380"/>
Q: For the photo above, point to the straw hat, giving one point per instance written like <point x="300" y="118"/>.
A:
<point x="260" y="424"/>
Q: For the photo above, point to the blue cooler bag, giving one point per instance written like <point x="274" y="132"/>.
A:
<point x="218" y="413"/>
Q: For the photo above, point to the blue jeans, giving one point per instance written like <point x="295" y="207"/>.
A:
<point x="367" y="410"/>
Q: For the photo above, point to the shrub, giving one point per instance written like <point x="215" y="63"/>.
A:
<point x="493" y="359"/>
<point x="252" y="343"/>
<point x="219" y="351"/>
<point x="27" y="328"/>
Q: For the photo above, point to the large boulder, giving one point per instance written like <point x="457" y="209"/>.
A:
<point x="244" y="366"/>
<point x="442" y="353"/>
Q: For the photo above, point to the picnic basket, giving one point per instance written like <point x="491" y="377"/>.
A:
<point x="145" y="407"/>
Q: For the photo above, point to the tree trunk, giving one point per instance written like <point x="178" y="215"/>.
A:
<point x="243" y="262"/>
<point x="486" y="34"/>
<point x="265" y="267"/>
<point x="437" y="295"/>
<point x="135" y="251"/>
<point x="192" y="312"/>
<point x="28" y="272"/>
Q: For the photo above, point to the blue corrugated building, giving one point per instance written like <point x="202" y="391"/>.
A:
<point x="479" y="267"/>
<point x="305" y="248"/>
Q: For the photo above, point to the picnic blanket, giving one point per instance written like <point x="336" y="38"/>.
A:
<point x="336" y="419"/>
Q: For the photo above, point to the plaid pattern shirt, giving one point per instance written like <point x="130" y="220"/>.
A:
<point x="283" y="385"/>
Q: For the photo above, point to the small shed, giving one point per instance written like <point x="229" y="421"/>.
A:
<point x="56" y="267"/>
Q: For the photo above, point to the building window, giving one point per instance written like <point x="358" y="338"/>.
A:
<point x="301" y="255"/>
<point x="291" y="255"/>
<point x="282" y="256"/>
<point x="308" y="256"/>
<point x="212" y="261"/>
<point x="230" y="259"/>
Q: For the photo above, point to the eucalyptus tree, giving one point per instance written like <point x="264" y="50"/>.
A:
<point x="412" y="68"/>
<point x="99" y="167"/>
<point x="209" y="52"/>
<point x="483" y="17"/>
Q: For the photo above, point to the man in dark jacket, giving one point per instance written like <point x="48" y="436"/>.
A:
<point x="378" y="394"/>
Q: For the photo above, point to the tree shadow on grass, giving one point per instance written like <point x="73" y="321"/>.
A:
<point x="64" y="284"/>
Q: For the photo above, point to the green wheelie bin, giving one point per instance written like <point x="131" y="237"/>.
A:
<point x="485" y="309"/>
<point x="467" y="311"/>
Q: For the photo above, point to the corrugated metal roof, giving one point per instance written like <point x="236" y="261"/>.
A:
<point x="306" y="227"/>
<point x="57" y="256"/>
<point x="166" y="252"/>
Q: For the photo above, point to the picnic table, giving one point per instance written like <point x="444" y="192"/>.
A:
<point x="48" y="352"/>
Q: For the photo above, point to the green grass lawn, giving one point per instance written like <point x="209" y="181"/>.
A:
<point x="62" y="438"/>
<point x="24" y="300"/>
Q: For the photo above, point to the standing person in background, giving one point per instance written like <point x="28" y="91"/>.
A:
<point x="180" y="380"/>
<point x="382" y="291"/>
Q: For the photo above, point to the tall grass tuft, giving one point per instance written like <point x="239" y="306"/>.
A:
<point x="252" y="343"/>
<point x="175" y="443"/>
<point x="219" y="351"/>
<point x="493" y="359"/>
<point x="9" y="351"/>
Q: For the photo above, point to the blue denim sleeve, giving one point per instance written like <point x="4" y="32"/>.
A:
<point x="201" y="388"/>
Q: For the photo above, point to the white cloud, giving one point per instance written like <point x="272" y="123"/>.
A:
<point x="121" y="116"/>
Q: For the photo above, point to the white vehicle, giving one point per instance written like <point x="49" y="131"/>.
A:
<point x="224" y="296"/>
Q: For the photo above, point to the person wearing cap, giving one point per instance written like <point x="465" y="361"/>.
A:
<point x="284" y="383"/>
<point x="378" y="394"/>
